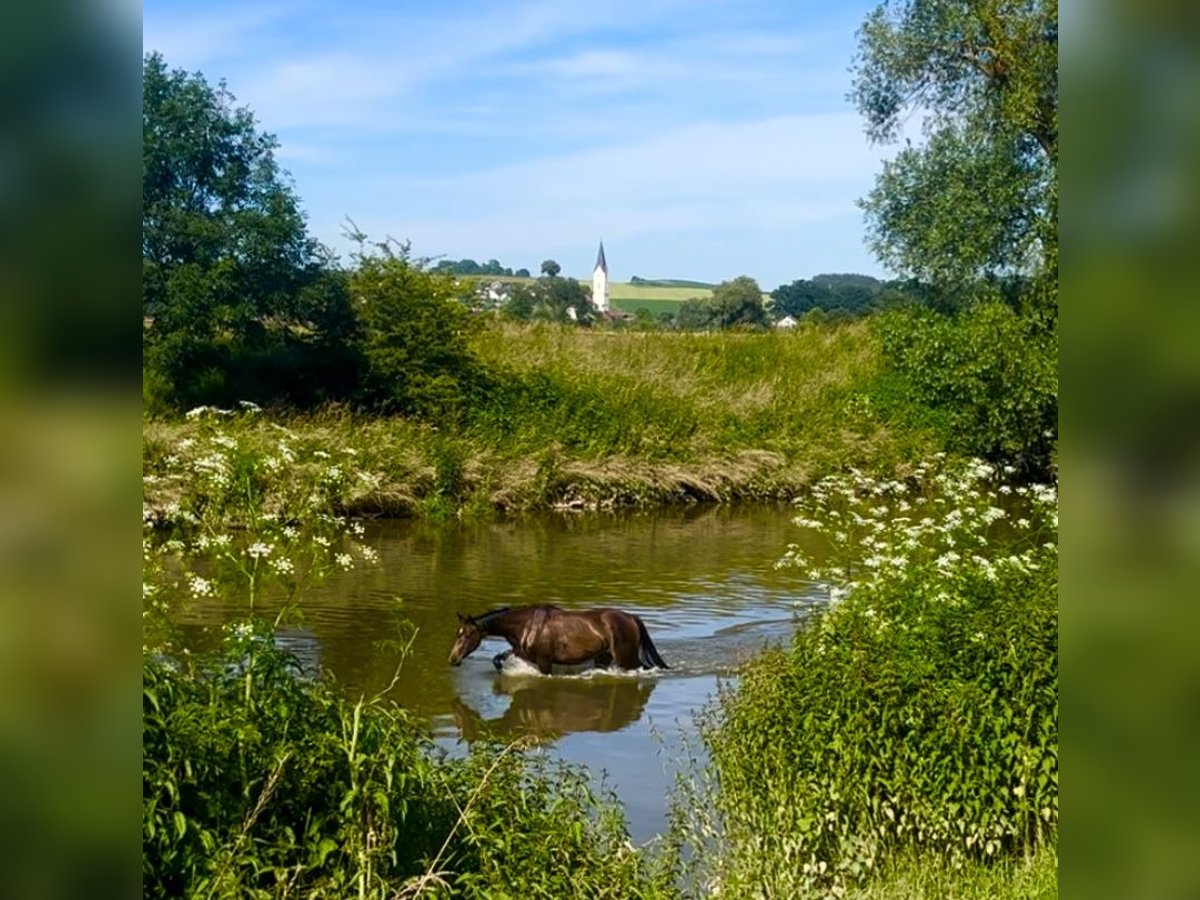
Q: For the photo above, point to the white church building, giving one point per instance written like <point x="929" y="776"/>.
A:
<point x="600" y="282"/>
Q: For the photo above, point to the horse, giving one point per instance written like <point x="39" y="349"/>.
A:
<point x="545" y="635"/>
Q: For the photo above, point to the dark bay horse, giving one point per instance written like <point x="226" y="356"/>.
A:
<point x="545" y="635"/>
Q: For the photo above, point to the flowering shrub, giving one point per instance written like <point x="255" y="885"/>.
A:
<point x="244" y="521"/>
<point x="920" y="711"/>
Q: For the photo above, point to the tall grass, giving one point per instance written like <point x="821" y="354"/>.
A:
<point x="575" y="417"/>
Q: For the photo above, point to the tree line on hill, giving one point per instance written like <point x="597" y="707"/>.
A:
<point x="470" y="267"/>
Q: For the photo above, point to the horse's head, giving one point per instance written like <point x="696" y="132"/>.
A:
<point x="466" y="641"/>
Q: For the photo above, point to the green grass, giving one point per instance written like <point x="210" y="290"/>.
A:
<point x="931" y="878"/>
<point x="654" y="307"/>
<point x="623" y="290"/>
<point x="600" y="418"/>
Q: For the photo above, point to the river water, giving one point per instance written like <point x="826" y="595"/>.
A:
<point x="702" y="579"/>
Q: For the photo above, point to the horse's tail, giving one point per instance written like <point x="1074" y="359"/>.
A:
<point x="647" y="652"/>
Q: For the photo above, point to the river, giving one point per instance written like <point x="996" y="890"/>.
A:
<point x="702" y="578"/>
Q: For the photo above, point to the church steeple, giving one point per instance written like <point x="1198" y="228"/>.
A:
<point x="600" y="282"/>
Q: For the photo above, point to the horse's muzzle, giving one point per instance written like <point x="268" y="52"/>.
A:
<point x="455" y="662"/>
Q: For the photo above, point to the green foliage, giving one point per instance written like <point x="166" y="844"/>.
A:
<point x="551" y="299"/>
<point x="964" y="205"/>
<point x="238" y="302"/>
<point x="415" y="335"/>
<point x="981" y="197"/>
<point x="987" y="378"/>
<point x="734" y="304"/>
<point x="856" y="294"/>
<point x="550" y="268"/>
<point x="919" y="715"/>
<point x="470" y="267"/>
<point x="258" y="782"/>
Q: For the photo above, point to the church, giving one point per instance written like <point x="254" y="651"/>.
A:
<point x="600" y="282"/>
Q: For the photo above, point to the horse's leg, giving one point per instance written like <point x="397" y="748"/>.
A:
<point x="626" y="648"/>
<point x="603" y="659"/>
<point x="499" y="658"/>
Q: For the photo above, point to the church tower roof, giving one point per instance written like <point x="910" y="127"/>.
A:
<point x="601" y="263"/>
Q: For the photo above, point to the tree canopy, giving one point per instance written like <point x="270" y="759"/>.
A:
<point x="856" y="294"/>
<point x="735" y="303"/>
<point x="980" y="197"/>
<point x="228" y="270"/>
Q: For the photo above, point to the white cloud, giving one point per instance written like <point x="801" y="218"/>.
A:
<point x="773" y="176"/>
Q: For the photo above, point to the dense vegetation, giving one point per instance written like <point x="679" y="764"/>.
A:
<point x="919" y="714"/>
<point x="259" y="782"/>
<point x="568" y="417"/>
<point x="905" y="744"/>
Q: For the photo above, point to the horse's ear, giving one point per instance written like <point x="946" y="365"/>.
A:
<point x="461" y="617"/>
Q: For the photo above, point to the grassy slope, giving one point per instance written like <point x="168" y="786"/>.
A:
<point x="608" y="418"/>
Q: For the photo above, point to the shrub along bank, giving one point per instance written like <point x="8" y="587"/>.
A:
<point x="257" y="782"/>
<point x="913" y="727"/>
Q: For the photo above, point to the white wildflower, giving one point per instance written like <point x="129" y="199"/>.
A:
<point x="200" y="587"/>
<point x="259" y="550"/>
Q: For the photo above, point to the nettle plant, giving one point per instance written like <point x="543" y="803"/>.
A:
<point x="245" y="520"/>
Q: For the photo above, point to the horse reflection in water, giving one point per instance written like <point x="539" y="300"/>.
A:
<point x="548" y="708"/>
<point x="545" y="636"/>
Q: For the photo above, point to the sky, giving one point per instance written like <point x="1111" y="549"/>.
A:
<point x="700" y="140"/>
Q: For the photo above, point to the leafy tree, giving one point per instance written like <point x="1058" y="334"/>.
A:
<point x="236" y="297"/>
<point x="853" y="294"/>
<point x="550" y="268"/>
<point x="989" y="375"/>
<point x="522" y="273"/>
<point x="550" y="299"/>
<point x="415" y="333"/>
<point x="739" y="302"/>
<point x="980" y="197"/>
<point x="696" y="314"/>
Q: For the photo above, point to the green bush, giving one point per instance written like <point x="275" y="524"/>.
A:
<point x="414" y="335"/>
<point x="987" y="376"/>
<point x="919" y="714"/>
<point x="259" y="782"/>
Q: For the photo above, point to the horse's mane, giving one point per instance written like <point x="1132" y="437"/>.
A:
<point x="486" y="618"/>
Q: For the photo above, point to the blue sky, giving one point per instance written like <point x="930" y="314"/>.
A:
<point x="700" y="140"/>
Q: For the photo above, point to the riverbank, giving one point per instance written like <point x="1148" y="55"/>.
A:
<point x="571" y="419"/>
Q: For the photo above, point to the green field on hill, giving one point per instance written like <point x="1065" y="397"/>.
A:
<point x="654" y="298"/>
